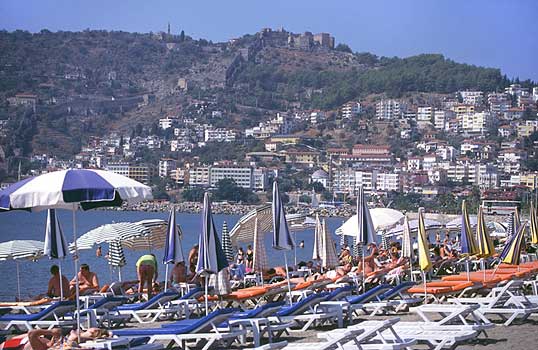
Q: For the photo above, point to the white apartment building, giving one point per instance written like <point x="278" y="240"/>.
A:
<point x="498" y="102"/>
<point x="219" y="135"/>
<point x="260" y="179"/>
<point x="535" y="94"/>
<point x="166" y="123"/>
<point x="199" y="176"/>
<point x="472" y="97"/>
<point x="351" y="109"/>
<point x="241" y="175"/>
<point x="387" y="182"/>
<point x="118" y="168"/>
<point x="349" y="180"/>
<point x="441" y="118"/>
<point x="516" y="90"/>
<point x="424" y="114"/>
<point x="166" y="166"/>
<point x="388" y="109"/>
<point x="476" y="122"/>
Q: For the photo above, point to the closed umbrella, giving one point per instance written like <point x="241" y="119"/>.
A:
<point x="116" y="256"/>
<point x="468" y="243"/>
<point x="227" y="243"/>
<point x="259" y="258"/>
<point x="424" y="261"/>
<point x="407" y="246"/>
<point x="512" y="250"/>
<point x="173" y="252"/>
<point x="534" y="225"/>
<point x="329" y="257"/>
<point x="55" y="243"/>
<point x="366" y="232"/>
<point x="484" y="242"/>
<point x="211" y="258"/>
<point x="21" y="249"/>
<point x="318" y="232"/>
<point x="73" y="189"/>
<point x="282" y="239"/>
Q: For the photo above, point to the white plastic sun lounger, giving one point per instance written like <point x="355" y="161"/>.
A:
<point x="504" y="304"/>
<point x="52" y="316"/>
<point x="153" y="309"/>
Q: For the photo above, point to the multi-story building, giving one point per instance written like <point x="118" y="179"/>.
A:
<point x="461" y="109"/>
<point x="199" y="176"/>
<point x="141" y="173"/>
<point x="476" y="122"/>
<point x="472" y="97"/>
<point x="118" y="168"/>
<point x="388" y="109"/>
<point x="441" y="118"/>
<point x="219" y="135"/>
<point x="516" y="90"/>
<point x="351" y="109"/>
<point x="424" y="114"/>
<point x="386" y="182"/>
<point x="498" y="102"/>
<point x="166" y="165"/>
<point x="241" y="175"/>
<point x="260" y="179"/>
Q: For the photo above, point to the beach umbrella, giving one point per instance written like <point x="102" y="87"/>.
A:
<point x="407" y="249"/>
<point x="329" y="257"/>
<point x="173" y="252"/>
<point x="468" y="243"/>
<point x="484" y="242"/>
<point x="116" y="256"/>
<point x="21" y="249"/>
<point x="384" y="240"/>
<point x="343" y="241"/>
<point x="382" y="219"/>
<point x="73" y="189"/>
<point x="55" y="243"/>
<point x="366" y="232"/>
<point x="512" y="249"/>
<point x="282" y="239"/>
<point x="424" y="261"/>
<point x="211" y="258"/>
<point x="534" y="225"/>
<point x="318" y="232"/>
<point x="259" y="256"/>
<point x="227" y="243"/>
<point x="413" y="226"/>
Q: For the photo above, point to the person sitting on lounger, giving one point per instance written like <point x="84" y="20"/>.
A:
<point x="54" y="287"/>
<point x="88" y="281"/>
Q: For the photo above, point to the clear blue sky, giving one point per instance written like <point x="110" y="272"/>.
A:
<point x="493" y="33"/>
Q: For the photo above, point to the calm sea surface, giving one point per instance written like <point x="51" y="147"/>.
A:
<point x="35" y="275"/>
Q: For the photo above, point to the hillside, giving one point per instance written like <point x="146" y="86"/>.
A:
<point x="94" y="82"/>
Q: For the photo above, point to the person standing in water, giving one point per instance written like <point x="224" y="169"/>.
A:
<point x="146" y="267"/>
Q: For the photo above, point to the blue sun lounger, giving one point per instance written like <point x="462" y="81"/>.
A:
<point x="149" y="311"/>
<point x="52" y="316"/>
<point x="192" y="330"/>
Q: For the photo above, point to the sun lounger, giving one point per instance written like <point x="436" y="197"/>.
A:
<point x="400" y="295"/>
<point x="100" y="313"/>
<point x="153" y="309"/>
<point x="202" y="330"/>
<point x="52" y="316"/>
<point x="306" y="312"/>
<point x="369" y="301"/>
<point x="440" y="290"/>
<point x="503" y="302"/>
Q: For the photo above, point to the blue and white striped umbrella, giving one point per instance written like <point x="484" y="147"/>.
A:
<point x="211" y="258"/>
<point x="72" y="189"/>
<point x="20" y="249"/>
<point x="55" y="243"/>
<point x="282" y="239"/>
<point x="227" y="243"/>
<point x="366" y="233"/>
<point x="173" y="251"/>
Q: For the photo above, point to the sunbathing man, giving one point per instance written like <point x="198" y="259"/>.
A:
<point x="146" y="268"/>
<point x="56" y="338"/>
<point x="54" y="289"/>
<point x="87" y="280"/>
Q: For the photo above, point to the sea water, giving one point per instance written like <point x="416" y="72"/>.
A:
<point x="34" y="275"/>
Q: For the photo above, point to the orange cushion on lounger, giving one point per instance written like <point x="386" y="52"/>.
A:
<point x="454" y="285"/>
<point x="476" y="278"/>
<point x="430" y="290"/>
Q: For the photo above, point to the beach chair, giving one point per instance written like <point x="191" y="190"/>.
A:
<point x="375" y="335"/>
<point x="506" y="302"/>
<point x="190" y="301"/>
<point x="101" y="314"/>
<point x="436" y="337"/>
<point x="52" y="316"/>
<point x="369" y="301"/>
<point x="202" y="331"/>
<point x="400" y="296"/>
<point x="306" y="312"/>
<point x="153" y="309"/>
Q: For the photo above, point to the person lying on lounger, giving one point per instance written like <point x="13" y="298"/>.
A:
<point x="56" y="338"/>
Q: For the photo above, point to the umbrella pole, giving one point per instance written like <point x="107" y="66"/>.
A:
<point x="61" y="280"/>
<point x="287" y="276"/>
<point x="18" y="281"/>
<point x="295" y="251"/>
<point x="363" y="271"/>
<point x="467" y="269"/>
<point x="77" y="282"/>
<point x="425" y="288"/>
<point x="206" y="296"/>
<point x="119" y="273"/>
<point x="166" y="278"/>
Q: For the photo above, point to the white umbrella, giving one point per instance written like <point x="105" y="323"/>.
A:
<point x="407" y="249"/>
<point x="382" y="219"/>
<point x="73" y="189"/>
<point x="21" y="249"/>
<point x="413" y="226"/>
